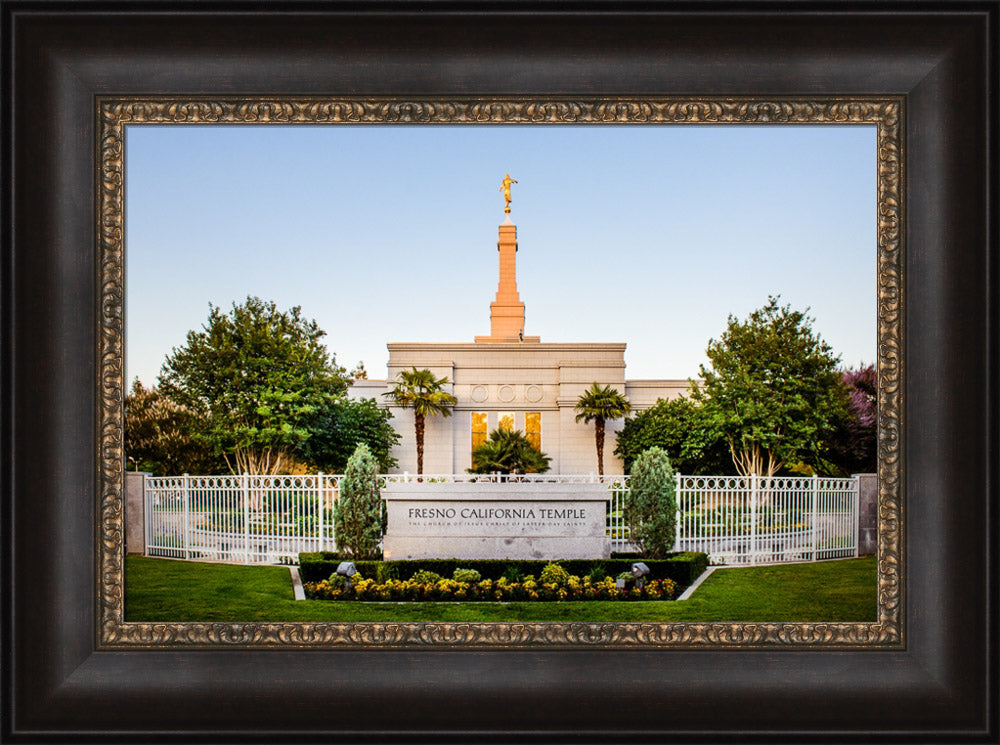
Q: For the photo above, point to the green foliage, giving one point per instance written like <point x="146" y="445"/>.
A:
<point x="449" y="590"/>
<point x="852" y="447"/>
<point x="598" y="572"/>
<point x="339" y="580"/>
<point x="421" y="391"/>
<point x="650" y="504"/>
<point x="686" y="567"/>
<point x="512" y="573"/>
<point x="554" y="574"/>
<point x="255" y="378"/>
<point x="341" y="425"/>
<point x="160" y="436"/>
<point x="426" y="577"/>
<point x="599" y="404"/>
<point x="773" y="389"/>
<point x="684" y="430"/>
<point x="466" y="575"/>
<point x="683" y="568"/>
<point x="359" y="520"/>
<point x="508" y="451"/>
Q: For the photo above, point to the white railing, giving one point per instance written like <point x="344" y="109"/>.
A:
<point x="245" y="519"/>
<point x="501" y="478"/>
<point x="760" y="519"/>
<point x="271" y="519"/>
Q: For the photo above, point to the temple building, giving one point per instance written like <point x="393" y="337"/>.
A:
<point x="510" y="380"/>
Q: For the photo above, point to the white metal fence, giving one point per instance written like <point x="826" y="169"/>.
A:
<point x="270" y="519"/>
<point x="760" y="519"/>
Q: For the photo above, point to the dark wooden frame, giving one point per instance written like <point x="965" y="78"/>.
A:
<point x="58" y="58"/>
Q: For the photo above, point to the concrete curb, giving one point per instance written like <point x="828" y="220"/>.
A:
<point x="299" y="593"/>
<point x="697" y="583"/>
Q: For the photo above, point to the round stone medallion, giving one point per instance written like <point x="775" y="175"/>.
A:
<point x="533" y="394"/>
<point x="480" y="394"/>
<point x="506" y="393"/>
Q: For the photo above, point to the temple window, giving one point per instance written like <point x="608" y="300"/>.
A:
<point x="478" y="428"/>
<point x="533" y="428"/>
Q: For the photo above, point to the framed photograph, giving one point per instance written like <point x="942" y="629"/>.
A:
<point x="924" y="83"/>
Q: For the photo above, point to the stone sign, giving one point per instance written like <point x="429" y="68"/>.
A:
<point x="496" y="521"/>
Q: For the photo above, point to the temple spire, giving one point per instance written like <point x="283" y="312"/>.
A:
<point x="507" y="310"/>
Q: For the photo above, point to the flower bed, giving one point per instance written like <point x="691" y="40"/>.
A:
<point x="489" y="590"/>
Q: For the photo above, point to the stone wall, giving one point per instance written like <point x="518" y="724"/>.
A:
<point x="867" y="514"/>
<point x="135" y="512"/>
<point x="496" y="521"/>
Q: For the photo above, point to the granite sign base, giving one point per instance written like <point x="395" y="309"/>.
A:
<point x="496" y="521"/>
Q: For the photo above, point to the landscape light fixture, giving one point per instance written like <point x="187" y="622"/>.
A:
<point x="639" y="571"/>
<point x="348" y="570"/>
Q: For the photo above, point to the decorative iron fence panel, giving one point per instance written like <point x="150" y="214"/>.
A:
<point x="244" y="519"/>
<point x="764" y="520"/>
<point x="271" y="519"/>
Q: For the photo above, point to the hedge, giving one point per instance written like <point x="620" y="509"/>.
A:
<point x="682" y="568"/>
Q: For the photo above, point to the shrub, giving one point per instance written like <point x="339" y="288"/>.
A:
<point x="490" y="590"/>
<point x="553" y="574"/>
<point x="512" y="573"/>
<point x="424" y="577"/>
<point x="339" y="581"/>
<point x="359" y="522"/>
<point x="683" y="568"/>
<point x="466" y="575"/>
<point x="508" y="451"/>
<point x="598" y="572"/>
<point x="650" y="505"/>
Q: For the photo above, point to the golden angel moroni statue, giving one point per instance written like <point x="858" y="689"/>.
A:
<point x="506" y="191"/>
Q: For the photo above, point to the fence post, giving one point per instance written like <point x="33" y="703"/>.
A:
<point x="137" y="520"/>
<point x="753" y="519"/>
<point x="187" y="518"/>
<point x="320" y="506"/>
<point x="246" y="517"/>
<point x="856" y="506"/>
<point x="677" y="516"/>
<point x="815" y="506"/>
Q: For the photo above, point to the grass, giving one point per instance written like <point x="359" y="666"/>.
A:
<point x="168" y="590"/>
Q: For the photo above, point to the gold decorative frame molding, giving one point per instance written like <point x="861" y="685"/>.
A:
<point x="114" y="113"/>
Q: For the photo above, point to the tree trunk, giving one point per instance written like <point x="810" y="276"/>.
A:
<point x="599" y="436"/>
<point x="418" y="426"/>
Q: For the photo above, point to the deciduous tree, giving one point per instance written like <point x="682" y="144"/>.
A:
<point x="852" y="447"/>
<point x="255" y="377"/>
<point x="684" y="430"/>
<point x="341" y="425"/>
<point x="772" y="389"/>
<point x="159" y="436"/>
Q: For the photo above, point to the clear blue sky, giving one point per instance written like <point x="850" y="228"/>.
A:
<point x="644" y="234"/>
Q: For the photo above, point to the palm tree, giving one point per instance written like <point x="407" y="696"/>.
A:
<point x="508" y="451"/>
<point x="423" y="392"/>
<point x="597" y="405"/>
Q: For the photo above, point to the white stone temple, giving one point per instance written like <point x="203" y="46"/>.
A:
<point x="511" y="380"/>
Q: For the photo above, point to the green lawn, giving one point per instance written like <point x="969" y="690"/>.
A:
<point x="168" y="590"/>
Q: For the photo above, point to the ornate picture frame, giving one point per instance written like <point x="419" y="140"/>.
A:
<point x="885" y="113"/>
<point x="74" y="670"/>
